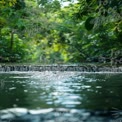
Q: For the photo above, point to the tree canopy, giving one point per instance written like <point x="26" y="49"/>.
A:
<point x="49" y="31"/>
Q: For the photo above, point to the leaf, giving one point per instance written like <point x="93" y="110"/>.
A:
<point x="10" y="4"/>
<point x="89" y="24"/>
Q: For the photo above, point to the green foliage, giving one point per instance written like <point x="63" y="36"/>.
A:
<point x="20" y="4"/>
<point x="89" y="23"/>
<point x="46" y="32"/>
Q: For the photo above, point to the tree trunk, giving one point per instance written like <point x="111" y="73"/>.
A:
<point x="12" y="40"/>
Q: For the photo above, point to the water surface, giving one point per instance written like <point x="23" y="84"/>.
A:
<point x="94" y="91"/>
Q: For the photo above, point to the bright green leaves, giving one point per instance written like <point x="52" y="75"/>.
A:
<point x="89" y="23"/>
<point x="6" y="3"/>
<point x="5" y="31"/>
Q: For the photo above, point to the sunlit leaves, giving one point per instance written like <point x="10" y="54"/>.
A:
<point x="5" y="3"/>
<point x="5" y="31"/>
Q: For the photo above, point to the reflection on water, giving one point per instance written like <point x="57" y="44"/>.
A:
<point x="61" y="89"/>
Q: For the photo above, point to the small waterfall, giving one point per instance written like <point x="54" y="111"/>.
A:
<point x="80" y="68"/>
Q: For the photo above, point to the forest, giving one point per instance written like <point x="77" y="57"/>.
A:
<point x="60" y="31"/>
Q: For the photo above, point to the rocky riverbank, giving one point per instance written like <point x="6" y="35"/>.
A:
<point x="56" y="115"/>
<point x="81" y="68"/>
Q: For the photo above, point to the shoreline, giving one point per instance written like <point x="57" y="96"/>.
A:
<point x="57" y="67"/>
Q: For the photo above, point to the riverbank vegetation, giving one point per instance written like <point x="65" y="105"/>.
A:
<point x="45" y="31"/>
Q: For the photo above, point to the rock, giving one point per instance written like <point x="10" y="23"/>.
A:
<point x="43" y="111"/>
<point x="12" y="113"/>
